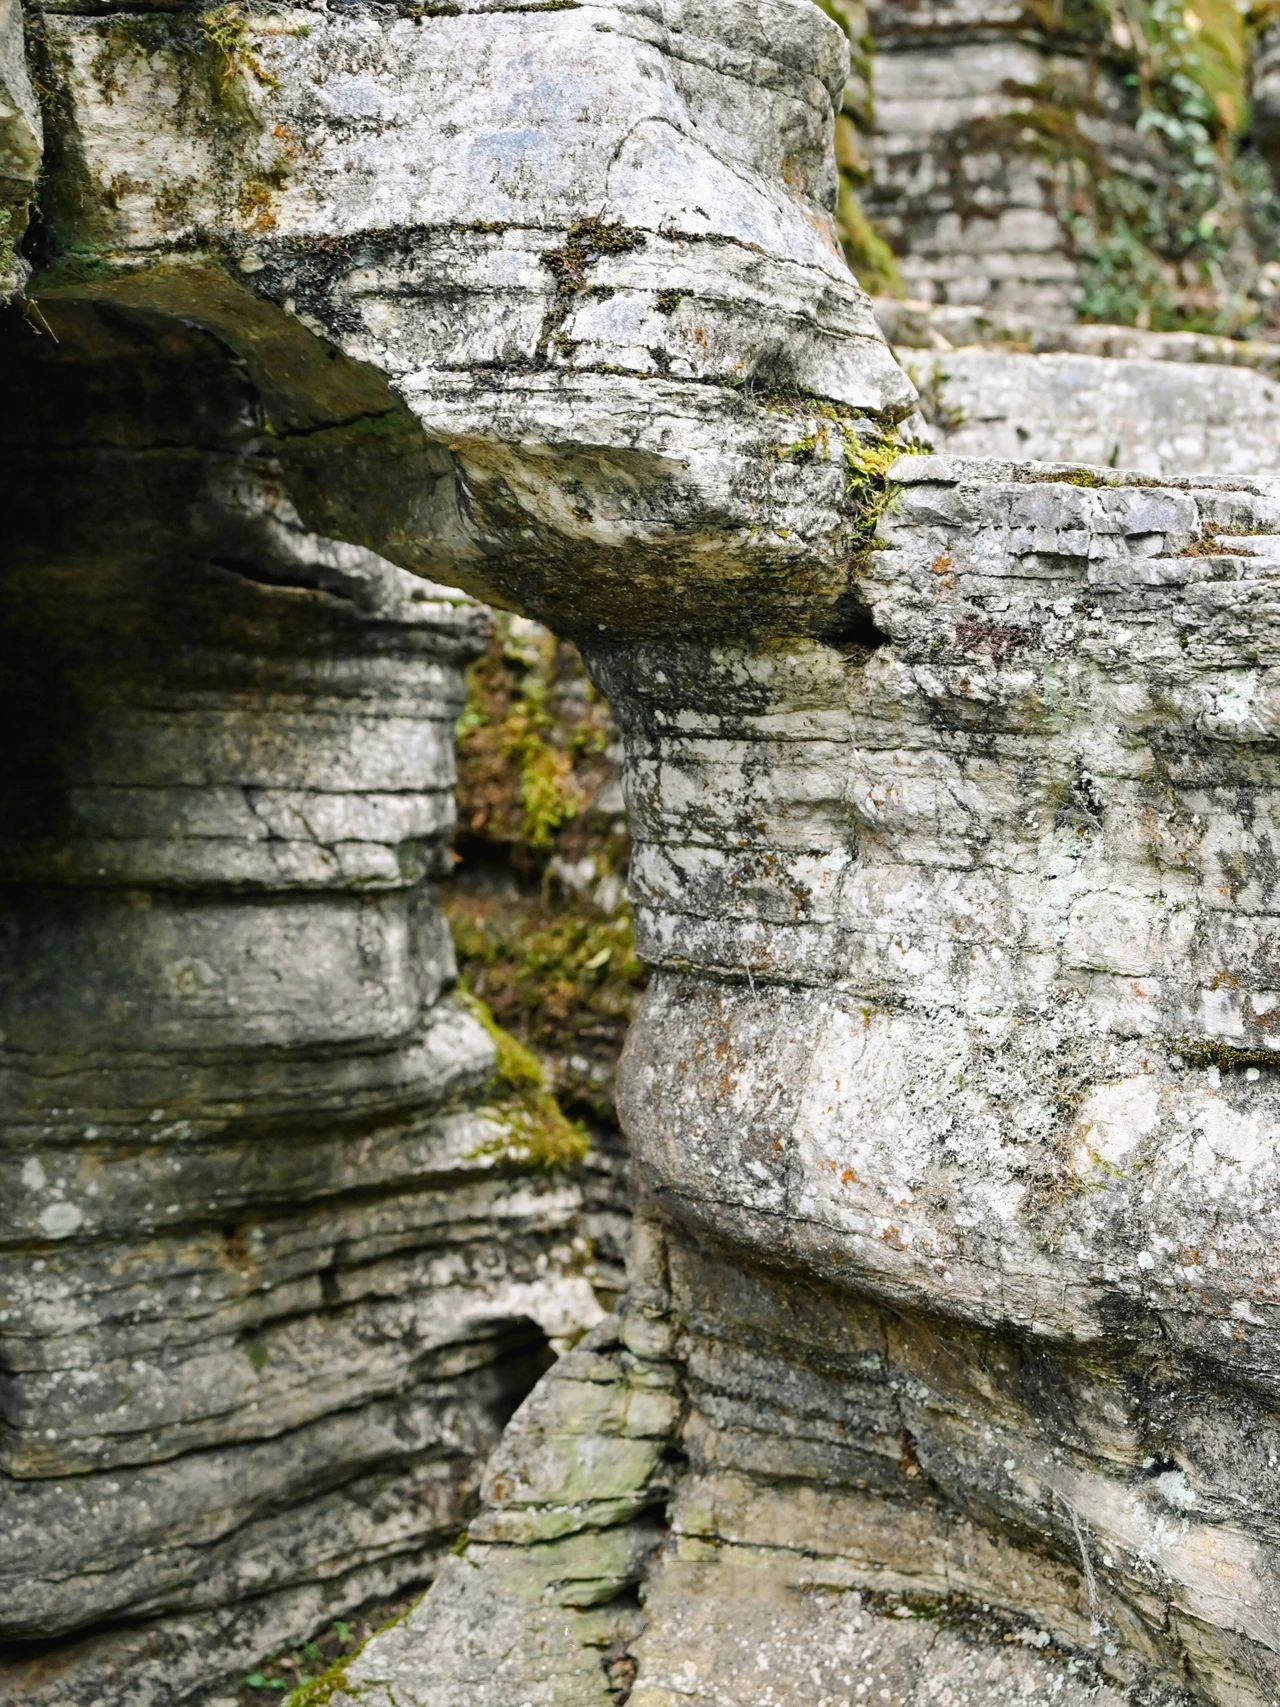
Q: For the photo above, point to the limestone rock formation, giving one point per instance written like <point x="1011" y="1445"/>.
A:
<point x="950" y="783"/>
<point x="950" y="1109"/>
<point x="20" y="146"/>
<point x="281" y="1252"/>
<point x="278" y="1265"/>
<point x="1045" y="159"/>
<point x="1173" y="403"/>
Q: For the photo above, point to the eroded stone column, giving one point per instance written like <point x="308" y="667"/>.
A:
<point x="280" y="1252"/>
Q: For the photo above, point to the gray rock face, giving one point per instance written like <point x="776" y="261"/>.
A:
<point x="1138" y="411"/>
<point x="965" y="197"/>
<point x="952" y="1100"/>
<point x="277" y="1264"/>
<point x="274" y="1267"/>
<point x="1050" y="159"/>
<point x="21" y="144"/>
<point x="950" y="1106"/>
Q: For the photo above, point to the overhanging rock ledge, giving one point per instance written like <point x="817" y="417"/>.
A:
<point x="949" y="1361"/>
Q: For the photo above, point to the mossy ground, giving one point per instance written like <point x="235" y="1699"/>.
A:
<point x="309" y="1674"/>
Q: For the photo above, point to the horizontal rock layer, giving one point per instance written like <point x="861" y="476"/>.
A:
<point x="276" y="1265"/>
<point x="949" y="786"/>
<point x="951" y="1106"/>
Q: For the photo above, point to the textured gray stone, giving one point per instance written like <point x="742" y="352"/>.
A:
<point x="274" y="1266"/>
<point x="953" y="1097"/>
<point x="21" y="146"/>
<point x="1016" y="386"/>
<point x="1164" y="417"/>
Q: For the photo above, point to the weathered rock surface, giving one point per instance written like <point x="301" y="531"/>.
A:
<point x="1173" y="403"/>
<point x="275" y="1266"/>
<point x="951" y="1110"/>
<point x="952" y="1099"/>
<point x="278" y="1267"/>
<point x="1072" y="159"/>
<point x="21" y="144"/>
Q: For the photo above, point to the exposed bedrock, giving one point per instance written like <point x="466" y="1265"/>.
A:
<point x="950" y="1106"/>
<point x="282" y="1257"/>
<point x="1171" y="403"/>
<point x="950" y="788"/>
<point x="1082" y="158"/>
<point x="275" y="1265"/>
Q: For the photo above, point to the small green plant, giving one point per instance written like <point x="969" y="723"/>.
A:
<point x="509" y="736"/>
<point x="226" y="28"/>
<point x="1087" y="477"/>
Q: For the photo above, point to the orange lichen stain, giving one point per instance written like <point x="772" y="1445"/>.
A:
<point x="700" y="337"/>
<point x="1224" y="981"/>
<point x="1139" y="990"/>
<point x="848" y="1177"/>
<point x="941" y="567"/>
<point x="254" y="206"/>
<point x="891" y="1236"/>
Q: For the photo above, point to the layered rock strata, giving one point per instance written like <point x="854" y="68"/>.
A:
<point x="951" y="1100"/>
<point x="279" y="1265"/>
<point x="276" y="1266"/>
<point x="1011" y="386"/>
<point x="1055" y="160"/>
<point x="950" y="1109"/>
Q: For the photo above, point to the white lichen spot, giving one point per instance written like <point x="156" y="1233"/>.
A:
<point x="33" y="1175"/>
<point x="61" y="1219"/>
<point x="1175" y="1490"/>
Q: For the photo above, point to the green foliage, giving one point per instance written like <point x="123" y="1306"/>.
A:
<point x="227" y="30"/>
<point x="869" y="256"/>
<point x="536" y="1131"/>
<point x="1177" y="248"/>
<point x="1076" y="477"/>
<point x="522" y="780"/>
<point x="554" y="961"/>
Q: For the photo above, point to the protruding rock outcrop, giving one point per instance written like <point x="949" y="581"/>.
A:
<point x="950" y="1107"/>
<point x="950" y="787"/>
